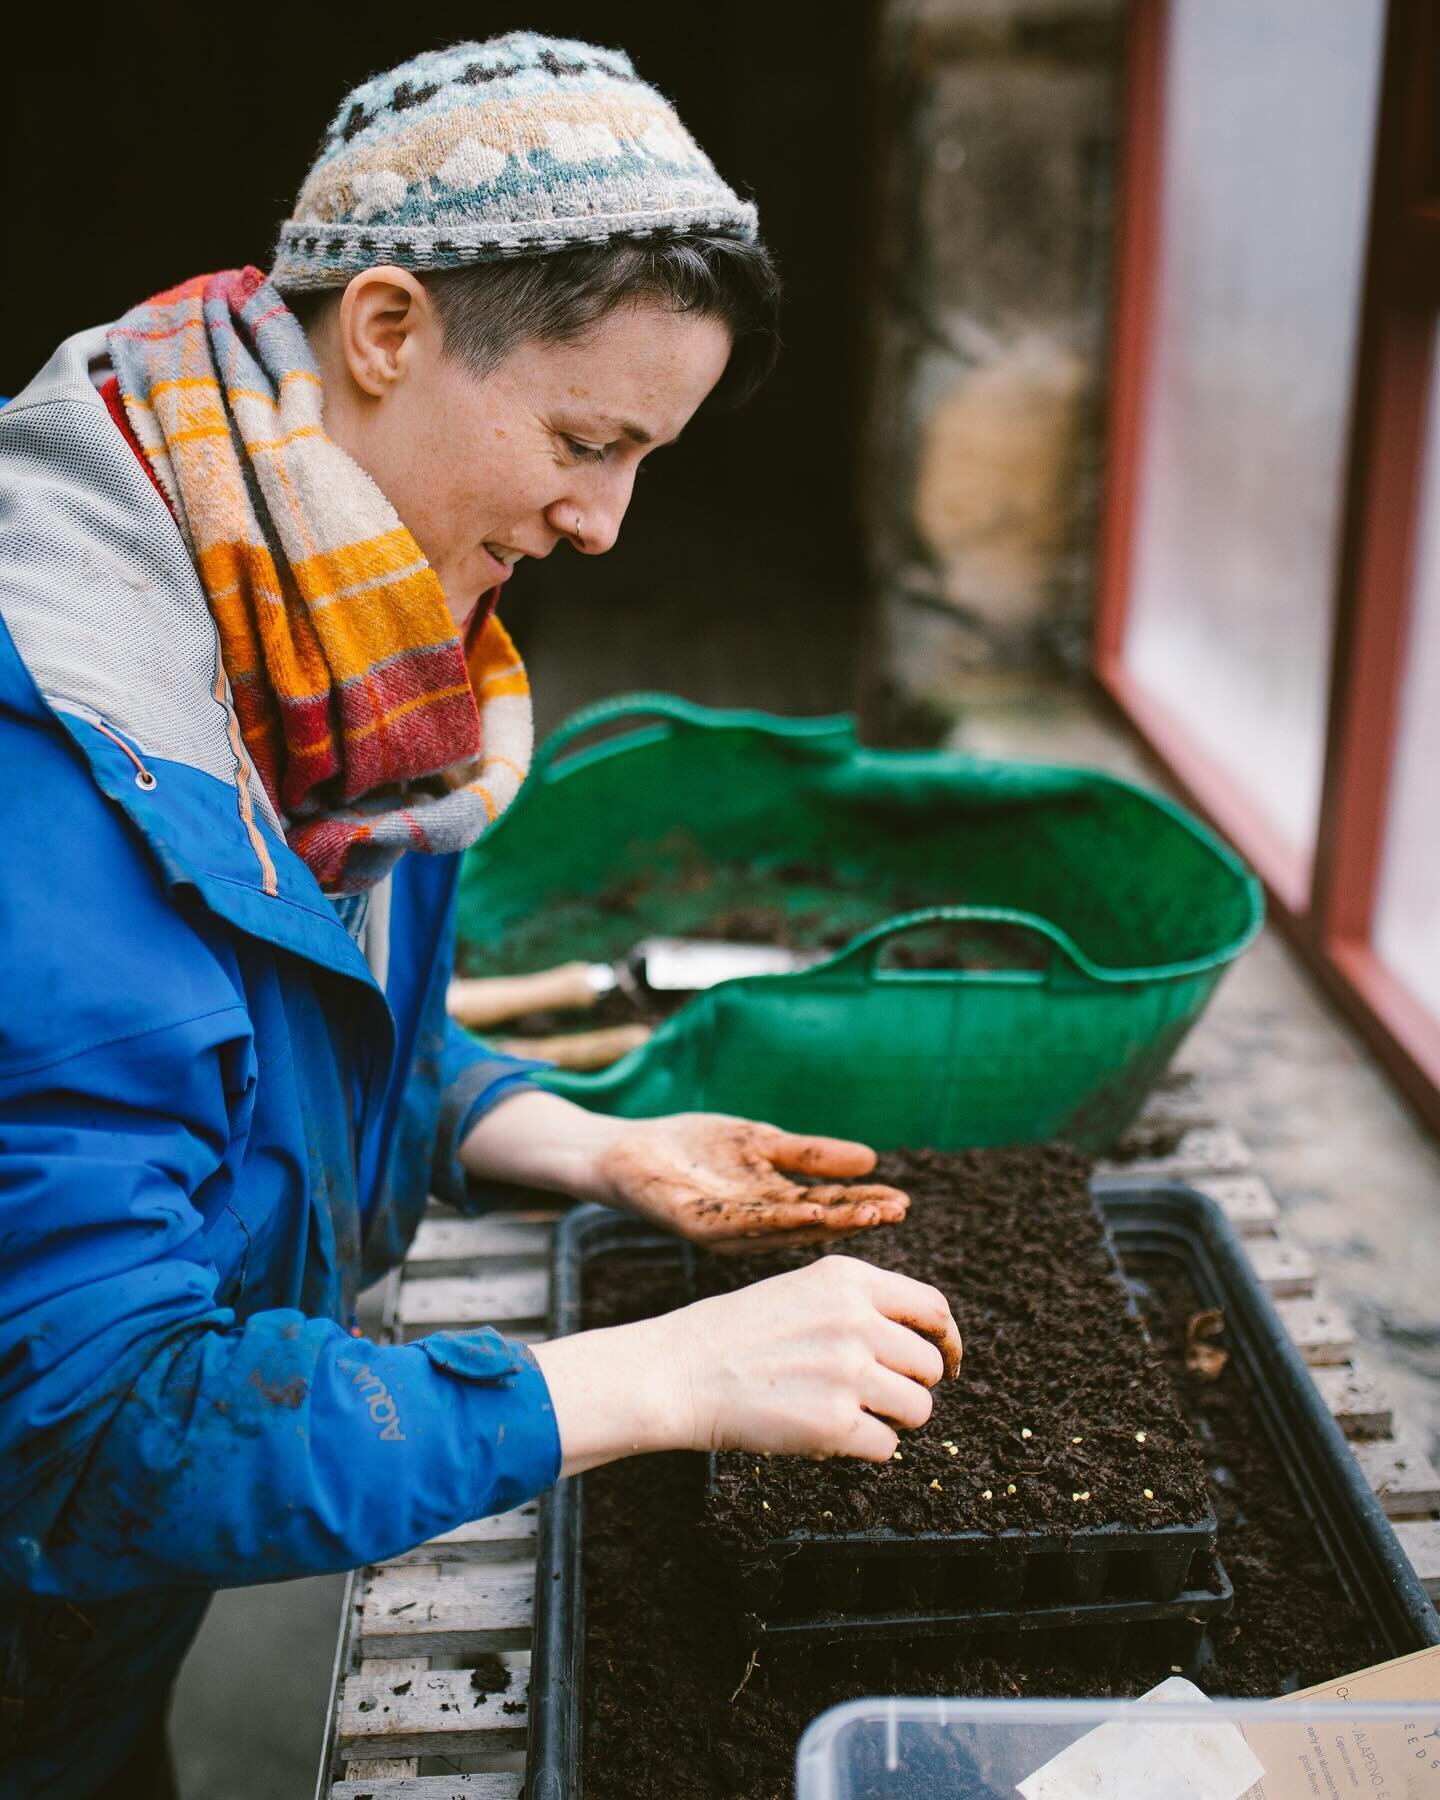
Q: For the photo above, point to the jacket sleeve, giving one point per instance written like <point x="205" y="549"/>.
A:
<point x="474" y="1078"/>
<point x="148" y="1436"/>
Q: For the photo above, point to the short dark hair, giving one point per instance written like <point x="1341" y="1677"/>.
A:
<point x="487" y="309"/>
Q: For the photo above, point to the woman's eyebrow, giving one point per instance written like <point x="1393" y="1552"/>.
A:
<point x="637" y="434"/>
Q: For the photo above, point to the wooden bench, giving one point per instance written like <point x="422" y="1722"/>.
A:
<point x="404" y="1691"/>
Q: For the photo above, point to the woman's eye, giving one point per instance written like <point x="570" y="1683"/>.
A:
<point x="586" y="452"/>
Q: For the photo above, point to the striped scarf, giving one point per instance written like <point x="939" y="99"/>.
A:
<point x="373" y="728"/>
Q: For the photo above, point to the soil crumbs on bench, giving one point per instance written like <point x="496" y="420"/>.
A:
<point x="665" y="1654"/>
<point x="1061" y="1393"/>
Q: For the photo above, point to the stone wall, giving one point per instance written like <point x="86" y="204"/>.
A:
<point x="998" y="123"/>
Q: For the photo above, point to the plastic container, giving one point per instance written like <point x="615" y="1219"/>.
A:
<point x="1104" y="917"/>
<point x="1160" y="1218"/>
<point x="1139" y="1750"/>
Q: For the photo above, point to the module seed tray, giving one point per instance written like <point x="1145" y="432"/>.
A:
<point x="939" y="1584"/>
<point x="941" y="1611"/>
<point x="888" y="1583"/>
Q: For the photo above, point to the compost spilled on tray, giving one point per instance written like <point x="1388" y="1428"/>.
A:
<point x="1063" y="1417"/>
<point x="679" y="1703"/>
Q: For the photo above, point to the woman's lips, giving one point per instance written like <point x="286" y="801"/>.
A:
<point x="497" y="570"/>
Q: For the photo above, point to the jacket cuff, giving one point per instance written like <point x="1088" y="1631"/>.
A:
<point x="479" y="1086"/>
<point x="517" y="1442"/>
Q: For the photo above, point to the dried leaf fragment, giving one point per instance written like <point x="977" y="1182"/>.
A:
<point x="1203" y="1358"/>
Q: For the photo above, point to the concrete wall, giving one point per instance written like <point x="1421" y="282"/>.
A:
<point x="998" y="129"/>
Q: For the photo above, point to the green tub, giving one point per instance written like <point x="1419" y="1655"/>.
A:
<point x="1103" y="916"/>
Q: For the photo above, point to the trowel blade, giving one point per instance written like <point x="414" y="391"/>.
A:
<point x="689" y="965"/>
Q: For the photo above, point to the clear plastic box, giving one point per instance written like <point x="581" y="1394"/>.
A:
<point x="1122" y="1750"/>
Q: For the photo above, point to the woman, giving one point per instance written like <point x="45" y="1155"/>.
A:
<point x="254" y="701"/>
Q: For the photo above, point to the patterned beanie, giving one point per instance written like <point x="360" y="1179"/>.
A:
<point x="514" y="147"/>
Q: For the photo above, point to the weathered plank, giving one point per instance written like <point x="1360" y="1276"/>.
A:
<point x="429" y="1787"/>
<point x="1318" y="1329"/>
<point x="1178" y="1101"/>
<point x="516" y="1297"/>
<point x="1283" y="1265"/>
<point x="1361" y="1407"/>
<point x="1201" y="1150"/>
<point x="437" y="1713"/>
<point x="1245" y="1200"/>
<point x="453" y="1610"/>
<point x="388" y="1768"/>
<point x="470" y="1246"/>
<point x="1403" y="1477"/>
<point x="1420" y="1540"/>
<point x="502" y="1538"/>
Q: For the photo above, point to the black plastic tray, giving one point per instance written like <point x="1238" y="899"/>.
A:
<point x="1145" y="1217"/>
<point x="832" y="1585"/>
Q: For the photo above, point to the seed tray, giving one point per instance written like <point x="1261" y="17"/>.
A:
<point x="954" y="1611"/>
<point x="1145" y="1216"/>
<point x="890" y="1583"/>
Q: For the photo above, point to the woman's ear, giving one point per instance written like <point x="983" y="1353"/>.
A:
<point x="386" y="322"/>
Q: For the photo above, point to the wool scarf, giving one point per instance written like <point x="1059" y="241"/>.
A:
<point x="372" y="726"/>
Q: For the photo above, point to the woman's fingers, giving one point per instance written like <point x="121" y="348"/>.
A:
<point x="908" y="1353"/>
<point x="872" y="1440"/>
<point x="900" y="1402"/>
<point x="882" y="1205"/>
<point x="802" y="1155"/>
<point x="919" y="1308"/>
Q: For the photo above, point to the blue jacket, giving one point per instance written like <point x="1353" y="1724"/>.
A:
<point x="215" y="1125"/>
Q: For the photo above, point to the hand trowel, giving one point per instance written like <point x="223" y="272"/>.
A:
<point x="657" y="965"/>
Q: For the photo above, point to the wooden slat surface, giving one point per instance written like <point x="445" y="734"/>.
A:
<point x="503" y="1538"/>
<point x="1361" y="1407"/>
<point x="454" y="1610"/>
<point x="1180" y="1100"/>
<point x="1202" y="1150"/>
<point x="437" y="1712"/>
<point x="431" y="1787"/>
<point x="506" y="1298"/>
<point x="1403" y="1477"/>
<point x="466" y="1246"/>
<point x="1245" y="1200"/>
<point x="1420" y="1540"/>
<point x="1318" y="1329"/>
<point x="1285" y="1268"/>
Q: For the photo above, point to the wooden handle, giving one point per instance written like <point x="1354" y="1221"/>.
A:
<point x="580" y="1050"/>
<point x="491" y="998"/>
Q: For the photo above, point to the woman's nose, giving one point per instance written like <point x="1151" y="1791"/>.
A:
<point x="592" y="519"/>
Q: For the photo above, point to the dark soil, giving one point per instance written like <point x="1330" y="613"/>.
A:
<point x="1061" y="1394"/>
<point x="671" y="1714"/>
<point x="810" y="906"/>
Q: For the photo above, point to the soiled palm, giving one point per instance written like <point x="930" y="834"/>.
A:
<point x="725" y="1183"/>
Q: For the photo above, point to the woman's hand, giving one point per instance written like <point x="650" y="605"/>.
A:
<point x="829" y="1360"/>
<point x="718" y="1181"/>
<point x="723" y="1183"/>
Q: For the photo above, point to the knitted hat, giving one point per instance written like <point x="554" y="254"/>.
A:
<point x="514" y="147"/>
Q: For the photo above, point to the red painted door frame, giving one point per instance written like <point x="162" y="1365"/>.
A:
<point x="1325" y="904"/>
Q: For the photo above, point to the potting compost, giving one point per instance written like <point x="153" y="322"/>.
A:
<point x="677" y="1701"/>
<point x="1063" y="1417"/>
<point x="804" y="906"/>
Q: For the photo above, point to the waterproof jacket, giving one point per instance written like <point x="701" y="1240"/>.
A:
<point x="215" y="1121"/>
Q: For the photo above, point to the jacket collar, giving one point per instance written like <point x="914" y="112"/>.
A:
<point x="105" y="631"/>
